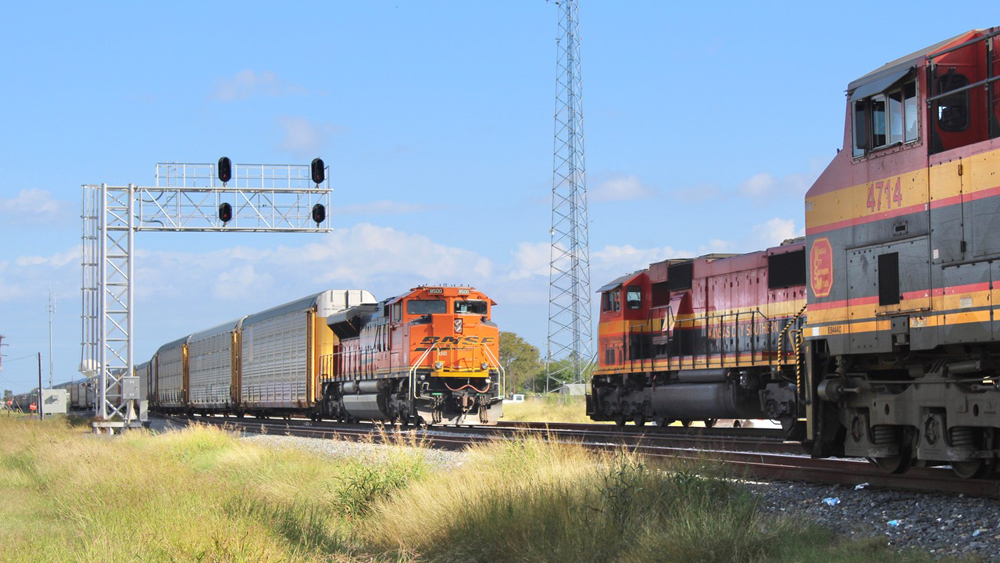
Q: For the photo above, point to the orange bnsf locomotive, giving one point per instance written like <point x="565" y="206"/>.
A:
<point x="427" y="356"/>
<point x="896" y="356"/>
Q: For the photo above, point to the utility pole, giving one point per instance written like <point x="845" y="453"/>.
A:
<point x="41" y="414"/>
<point x="52" y="310"/>
<point x="570" y="337"/>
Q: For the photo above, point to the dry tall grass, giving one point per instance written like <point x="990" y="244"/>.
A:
<point x="550" y="408"/>
<point x="204" y="495"/>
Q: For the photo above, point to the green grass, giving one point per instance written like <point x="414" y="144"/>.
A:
<point x="203" y="495"/>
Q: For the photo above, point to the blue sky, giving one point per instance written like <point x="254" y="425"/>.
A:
<point x="705" y="124"/>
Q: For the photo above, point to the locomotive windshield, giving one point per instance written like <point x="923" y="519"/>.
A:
<point x="426" y="306"/>
<point x="470" y="307"/>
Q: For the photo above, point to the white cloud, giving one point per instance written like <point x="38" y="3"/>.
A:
<point x="533" y="260"/>
<point x="302" y="137"/>
<point x="366" y="253"/>
<point x="773" y="232"/>
<point x="57" y="260"/>
<point x="247" y="83"/>
<point x="621" y="188"/>
<point x="530" y="259"/>
<point x="627" y="258"/>
<point x="32" y="206"/>
<point x="242" y="282"/>
<point x="381" y="208"/>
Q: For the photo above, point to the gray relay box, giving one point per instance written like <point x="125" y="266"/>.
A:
<point x="130" y="388"/>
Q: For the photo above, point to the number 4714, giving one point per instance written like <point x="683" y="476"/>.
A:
<point x="884" y="190"/>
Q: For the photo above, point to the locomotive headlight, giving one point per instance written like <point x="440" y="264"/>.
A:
<point x="487" y="381"/>
<point x="438" y="365"/>
<point x="484" y="365"/>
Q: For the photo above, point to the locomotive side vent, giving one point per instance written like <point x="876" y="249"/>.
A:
<point x="786" y="270"/>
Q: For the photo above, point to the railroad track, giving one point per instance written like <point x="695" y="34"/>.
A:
<point x="759" y="455"/>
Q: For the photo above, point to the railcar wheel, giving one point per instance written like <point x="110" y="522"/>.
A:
<point x="639" y="420"/>
<point x="685" y="423"/>
<point x="710" y="422"/>
<point x="619" y="420"/>
<point x="663" y="422"/>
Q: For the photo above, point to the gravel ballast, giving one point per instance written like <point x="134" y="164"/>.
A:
<point x="940" y="524"/>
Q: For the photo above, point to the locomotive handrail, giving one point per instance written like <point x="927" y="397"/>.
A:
<point x="503" y="372"/>
<point x="413" y="370"/>
<point x="781" y="337"/>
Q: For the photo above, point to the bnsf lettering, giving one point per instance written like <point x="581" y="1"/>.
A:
<point x="454" y="341"/>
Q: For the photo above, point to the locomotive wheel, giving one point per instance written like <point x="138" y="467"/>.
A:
<point x="663" y="422"/>
<point x="710" y="422"/>
<point x="619" y="420"/>
<point x="639" y="420"/>
<point x="972" y="469"/>
<point x="896" y="464"/>
<point x="685" y="423"/>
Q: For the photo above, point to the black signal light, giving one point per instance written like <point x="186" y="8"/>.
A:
<point x="225" y="212"/>
<point x="318" y="170"/>
<point x="319" y="213"/>
<point x="225" y="169"/>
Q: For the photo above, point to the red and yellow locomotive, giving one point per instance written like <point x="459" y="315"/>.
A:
<point x="878" y="337"/>
<point x="702" y="339"/>
<point x="428" y="356"/>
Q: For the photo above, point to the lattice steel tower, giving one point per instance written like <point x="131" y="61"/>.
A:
<point x="570" y="336"/>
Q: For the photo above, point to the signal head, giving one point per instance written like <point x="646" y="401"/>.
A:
<point x="318" y="170"/>
<point x="225" y="213"/>
<point x="225" y="169"/>
<point x="319" y="213"/>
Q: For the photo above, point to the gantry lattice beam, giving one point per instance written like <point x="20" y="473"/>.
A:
<point x="569" y="335"/>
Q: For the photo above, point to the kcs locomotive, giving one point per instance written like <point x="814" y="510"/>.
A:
<point x="428" y="356"/>
<point x="876" y="336"/>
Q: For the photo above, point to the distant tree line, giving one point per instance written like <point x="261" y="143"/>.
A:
<point x="525" y="367"/>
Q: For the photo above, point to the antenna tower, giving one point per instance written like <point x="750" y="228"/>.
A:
<point x="570" y="336"/>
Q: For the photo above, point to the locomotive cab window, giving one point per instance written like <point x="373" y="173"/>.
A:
<point x="886" y="119"/>
<point x="953" y="111"/>
<point x="633" y="297"/>
<point x="470" y="307"/>
<point x="426" y="306"/>
<point x="611" y="300"/>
